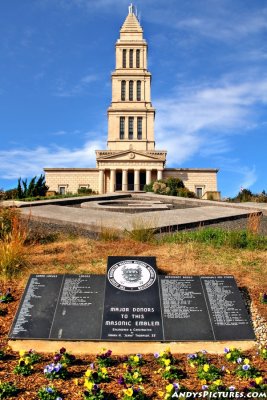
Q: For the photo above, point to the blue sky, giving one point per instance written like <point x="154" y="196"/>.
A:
<point x="208" y="60"/>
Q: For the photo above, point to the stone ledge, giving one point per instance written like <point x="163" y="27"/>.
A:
<point x="126" y="348"/>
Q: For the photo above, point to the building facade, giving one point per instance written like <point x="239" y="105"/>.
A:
<point x="131" y="160"/>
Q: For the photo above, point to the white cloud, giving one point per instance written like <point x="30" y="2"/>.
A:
<point x="64" y="90"/>
<point x="201" y="119"/>
<point x="30" y="162"/>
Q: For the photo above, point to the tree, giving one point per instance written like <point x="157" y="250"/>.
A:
<point x="19" y="189"/>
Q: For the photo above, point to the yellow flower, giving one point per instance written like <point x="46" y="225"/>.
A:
<point x="192" y="365"/>
<point x="264" y="351"/>
<point x="228" y="356"/>
<point x="135" y="375"/>
<point x="76" y="381"/>
<point x="161" y="354"/>
<point x="88" y="384"/>
<point x="124" y="365"/>
<point x="88" y="373"/>
<point x="168" y="368"/>
<point x="167" y="361"/>
<point x="169" y="388"/>
<point x="136" y="359"/>
<point x="22" y="353"/>
<point x="246" y="361"/>
<point x="27" y="360"/>
<point x="168" y="350"/>
<point x="203" y="382"/>
<point x="104" y="370"/>
<point x="227" y="371"/>
<point x="206" y="367"/>
<point x="259" y="380"/>
<point x="160" y="393"/>
<point x="218" y="382"/>
<point x="128" y="392"/>
<point x="167" y="396"/>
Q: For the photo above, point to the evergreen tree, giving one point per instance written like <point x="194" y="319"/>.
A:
<point x="31" y="192"/>
<point x="19" y="189"/>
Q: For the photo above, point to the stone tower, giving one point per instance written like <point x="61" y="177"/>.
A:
<point x="131" y="157"/>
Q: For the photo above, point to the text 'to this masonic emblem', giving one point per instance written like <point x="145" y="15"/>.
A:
<point x="131" y="275"/>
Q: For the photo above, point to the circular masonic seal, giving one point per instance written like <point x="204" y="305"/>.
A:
<point x="131" y="275"/>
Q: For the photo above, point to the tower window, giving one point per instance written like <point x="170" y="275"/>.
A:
<point x="123" y="89"/>
<point x="124" y="58"/>
<point x="122" y="127"/>
<point x="138" y="91"/>
<point x="131" y="59"/>
<point x="137" y="58"/>
<point x="131" y="90"/>
<point x="130" y="128"/>
<point x="139" y="128"/>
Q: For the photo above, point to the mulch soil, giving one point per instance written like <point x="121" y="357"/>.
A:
<point x="152" y="381"/>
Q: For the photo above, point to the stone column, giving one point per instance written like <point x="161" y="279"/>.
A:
<point x="112" y="180"/>
<point x="148" y="176"/>
<point x="124" y="180"/>
<point x="101" y="175"/>
<point x="137" y="180"/>
<point x="159" y="174"/>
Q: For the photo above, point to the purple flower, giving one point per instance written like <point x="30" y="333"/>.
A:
<point x="62" y="350"/>
<point x="176" y="386"/>
<point x="92" y="365"/>
<point x="108" y="353"/>
<point x="245" y="367"/>
<point x="192" y="356"/>
<point x="231" y="388"/>
<point x="239" y="360"/>
<point x="223" y="368"/>
<point x="205" y="387"/>
<point x="95" y="387"/>
<point x="156" y="355"/>
<point x="49" y="390"/>
<point x="204" y="351"/>
<point x="139" y="355"/>
<point x="59" y="398"/>
<point x="57" y="357"/>
<point x="226" y="350"/>
<point x="253" y="384"/>
<point x="121" y="380"/>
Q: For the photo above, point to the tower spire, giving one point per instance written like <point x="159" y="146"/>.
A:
<point x="132" y="9"/>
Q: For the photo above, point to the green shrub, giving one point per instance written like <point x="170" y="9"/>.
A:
<point x="7" y="389"/>
<point x="85" y="191"/>
<point x="10" y="194"/>
<point x="184" y="192"/>
<point x="149" y="187"/>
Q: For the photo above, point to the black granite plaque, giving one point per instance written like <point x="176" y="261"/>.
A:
<point x="132" y="304"/>
<point x="80" y="307"/>
<point x="132" y="309"/>
<point x="37" y="308"/>
<point x="229" y="317"/>
<point x="184" y="309"/>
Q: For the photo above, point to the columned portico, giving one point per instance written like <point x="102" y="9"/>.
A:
<point x="101" y="181"/>
<point x="148" y="176"/>
<point x="136" y="180"/>
<point x="159" y="174"/>
<point x="124" y="180"/>
<point x="112" y="180"/>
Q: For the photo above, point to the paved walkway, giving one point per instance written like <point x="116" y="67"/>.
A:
<point x="98" y="219"/>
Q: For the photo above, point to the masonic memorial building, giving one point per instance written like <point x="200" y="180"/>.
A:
<point x="131" y="159"/>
